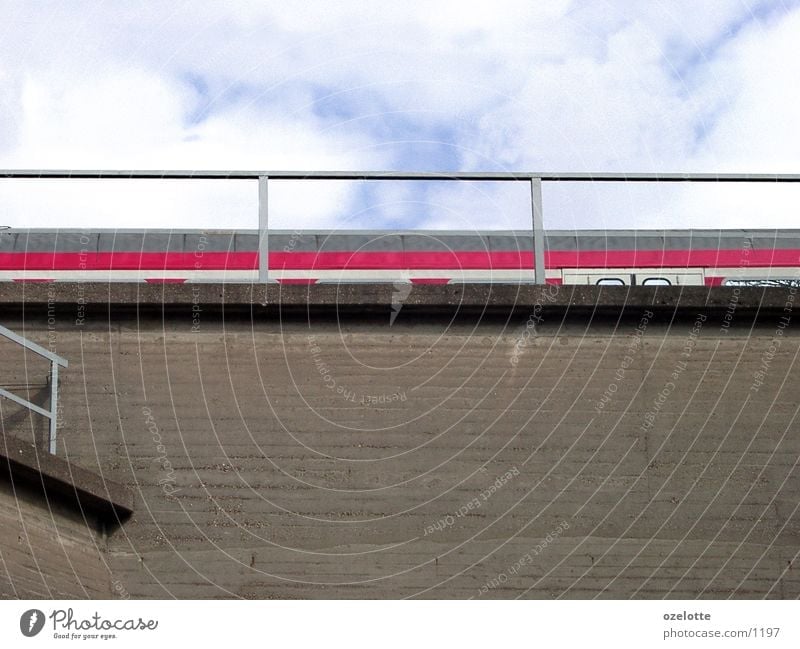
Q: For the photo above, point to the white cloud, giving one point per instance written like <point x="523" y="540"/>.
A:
<point x="758" y="124"/>
<point x="132" y="120"/>
<point x="595" y="85"/>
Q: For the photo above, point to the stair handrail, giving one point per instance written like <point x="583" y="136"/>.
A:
<point x="55" y="362"/>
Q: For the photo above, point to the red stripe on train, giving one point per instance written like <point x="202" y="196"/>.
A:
<point x="464" y="260"/>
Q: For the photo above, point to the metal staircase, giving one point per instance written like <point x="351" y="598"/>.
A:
<point x="55" y="362"/>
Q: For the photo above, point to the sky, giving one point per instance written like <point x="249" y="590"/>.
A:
<point x="556" y="85"/>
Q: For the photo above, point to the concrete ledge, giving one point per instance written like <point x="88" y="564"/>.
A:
<point x="55" y="478"/>
<point x="362" y="299"/>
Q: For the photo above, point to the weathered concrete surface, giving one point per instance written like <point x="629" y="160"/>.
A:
<point x="283" y="453"/>
<point x="48" y="551"/>
<point x="101" y="499"/>
<point x="53" y="519"/>
<point x="374" y="298"/>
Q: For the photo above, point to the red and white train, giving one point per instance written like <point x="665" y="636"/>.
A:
<point x="622" y="257"/>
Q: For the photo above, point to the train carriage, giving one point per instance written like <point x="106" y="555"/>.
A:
<point x="605" y="257"/>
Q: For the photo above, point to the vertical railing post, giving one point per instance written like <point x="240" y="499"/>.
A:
<point x="537" y="217"/>
<point x="53" y="405"/>
<point x="263" y="229"/>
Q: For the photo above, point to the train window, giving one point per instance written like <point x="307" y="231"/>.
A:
<point x="609" y="281"/>
<point x="656" y="281"/>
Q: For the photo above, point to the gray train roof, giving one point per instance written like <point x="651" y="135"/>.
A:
<point x="74" y="240"/>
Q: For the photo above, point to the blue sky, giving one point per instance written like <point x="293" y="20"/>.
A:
<point x="560" y="85"/>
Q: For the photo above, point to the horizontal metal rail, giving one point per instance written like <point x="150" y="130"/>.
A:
<point x="545" y="176"/>
<point x="55" y="362"/>
<point x="24" y="402"/>
<point x="535" y="179"/>
<point x="29" y="344"/>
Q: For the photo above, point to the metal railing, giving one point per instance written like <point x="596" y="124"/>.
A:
<point x="55" y="361"/>
<point x="533" y="178"/>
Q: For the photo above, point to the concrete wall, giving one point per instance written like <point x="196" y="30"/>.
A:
<point x="47" y="550"/>
<point x="495" y="457"/>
